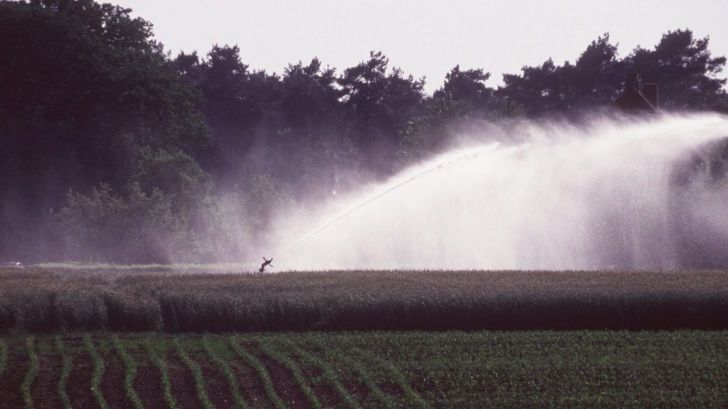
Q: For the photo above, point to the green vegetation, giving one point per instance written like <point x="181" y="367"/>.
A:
<point x="149" y="347"/>
<point x="411" y="395"/>
<point x="287" y="362"/>
<point x="130" y="369"/>
<point x="262" y="372"/>
<point x="98" y="373"/>
<point x="31" y="374"/>
<point x="47" y="300"/>
<point x="225" y="369"/>
<point x="321" y="342"/>
<point x="66" y="362"/>
<point x="196" y="374"/>
<point x="329" y="374"/>
<point x="535" y="369"/>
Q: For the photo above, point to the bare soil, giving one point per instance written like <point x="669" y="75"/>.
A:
<point x="12" y="378"/>
<point x="45" y="387"/>
<point x="112" y="383"/>
<point x="78" y="387"/>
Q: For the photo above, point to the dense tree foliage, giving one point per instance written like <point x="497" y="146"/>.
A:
<point x="84" y="91"/>
<point x="685" y="71"/>
<point x="105" y="139"/>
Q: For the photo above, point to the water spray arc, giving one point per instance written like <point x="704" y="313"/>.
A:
<point x="408" y="178"/>
<point x="600" y="196"/>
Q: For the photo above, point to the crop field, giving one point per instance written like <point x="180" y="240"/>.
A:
<point x="52" y="299"/>
<point x="137" y="338"/>
<point x="536" y="369"/>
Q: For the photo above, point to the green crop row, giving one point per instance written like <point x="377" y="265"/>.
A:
<point x="129" y="373"/>
<point x="373" y="369"/>
<point x="196" y="374"/>
<point x="31" y="374"/>
<point x="332" y="353"/>
<point x="291" y="365"/>
<point x="98" y="371"/>
<point x="163" y="373"/>
<point x="331" y="377"/>
<point x="227" y="372"/>
<point x="255" y="363"/>
<point x="66" y="365"/>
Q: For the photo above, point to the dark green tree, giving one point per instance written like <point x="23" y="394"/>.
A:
<point x="465" y="94"/>
<point x="237" y="106"/>
<point x="310" y="129"/>
<point x="685" y="71"/>
<point x="380" y="105"/>
<point x="83" y="87"/>
<point x="596" y="77"/>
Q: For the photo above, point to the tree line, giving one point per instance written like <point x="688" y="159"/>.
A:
<point x="112" y="149"/>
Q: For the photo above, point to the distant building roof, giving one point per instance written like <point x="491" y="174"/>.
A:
<point x="635" y="98"/>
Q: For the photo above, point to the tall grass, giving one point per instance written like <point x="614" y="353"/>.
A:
<point x="45" y="300"/>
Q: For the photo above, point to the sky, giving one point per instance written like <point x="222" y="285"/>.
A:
<point x="424" y="38"/>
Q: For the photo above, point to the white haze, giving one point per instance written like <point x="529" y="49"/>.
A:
<point x="564" y="197"/>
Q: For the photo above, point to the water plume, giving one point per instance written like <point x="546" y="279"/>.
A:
<point x="613" y="194"/>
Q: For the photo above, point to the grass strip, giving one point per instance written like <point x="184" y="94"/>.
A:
<point x="255" y="363"/>
<point x="225" y="368"/>
<point x="66" y="362"/>
<point x="31" y="374"/>
<point x="411" y="394"/>
<point x="98" y="373"/>
<point x="3" y="356"/>
<point x="361" y="372"/>
<point x="196" y="374"/>
<point x="164" y="374"/>
<point x="130" y="369"/>
<point x="292" y="366"/>
<point x="329" y="374"/>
